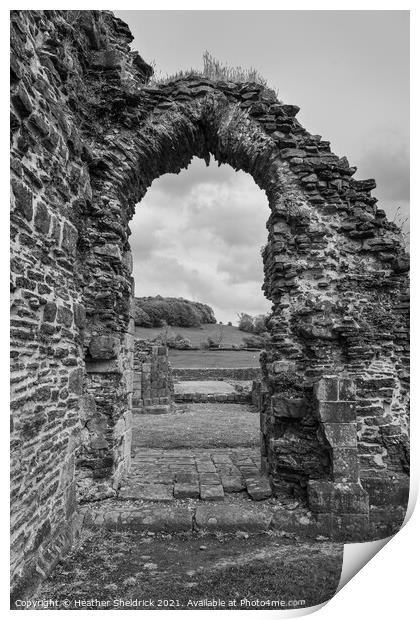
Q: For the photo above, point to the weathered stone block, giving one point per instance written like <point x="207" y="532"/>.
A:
<point x="336" y="411"/>
<point x="326" y="388"/>
<point x="69" y="240"/>
<point x="211" y="492"/>
<point x="79" y="312"/>
<point x="23" y="199"/>
<point x="160" y="519"/>
<point x="204" y="466"/>
<point x="55" y="232"/>
<point x="233" y="484"/>
<point x="341" y="435"/>
<point x="287" y="153"/>
<point x="127" y="259"/>
<point x="258" y="488"/>
<point x="319" y="495"/>
<point x="64" y="316"/>
<point x="385" y="522"/>
<point x="222" y="517"/>
<point x="41" y="534"/>
<point x="108" y="59"/>
<point x="110" y="250"/>
<point x="324" y="523"/>
<point x="183" y="490"/>
<point x="289" y="407"/>
<point x="350" y="527"/>
<point x="282" y="365"/>
<point x="42" y="218"/>
<point x="22" y="101"/>
<point x="290" y="110"/>
<point x="50" y="311"/>
<point x="104" y="347"/>
<point x="345" y="464"/>
<point x="209" y="478"/>
<point x="40" y="124"/>
<point x="183" y="476"/>
<point x="338" y="498"/>
<point x="384" y="491"/>
<point x="349" y="498"/>
<point x="346" y="389"/>
<point x="76" y="381"/>
<point x="87" y="407"/>
<point x="299" y="524"/>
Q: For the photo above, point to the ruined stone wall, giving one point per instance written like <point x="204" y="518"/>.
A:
<point x="153" y="384"/>
<point x="88" y="139"/>
<point x="48" y="177"/>
<point x="54" y="405"/>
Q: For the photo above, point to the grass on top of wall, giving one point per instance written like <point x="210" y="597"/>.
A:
<point x="214" y="70"/>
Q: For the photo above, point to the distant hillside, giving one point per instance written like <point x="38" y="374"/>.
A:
<point x="175" y="311"/>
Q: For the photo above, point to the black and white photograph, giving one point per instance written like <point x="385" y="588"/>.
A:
<point x="209" y="304"/>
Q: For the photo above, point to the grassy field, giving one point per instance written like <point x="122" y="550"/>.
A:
<point x="197" y="335"/>
<point x="204" y="358"/>
<point x="214" y="359"/>
<point x="196" y="425"/>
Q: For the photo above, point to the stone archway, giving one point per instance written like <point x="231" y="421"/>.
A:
<point x="331" y="258"/>
<point x="88" y="138"/>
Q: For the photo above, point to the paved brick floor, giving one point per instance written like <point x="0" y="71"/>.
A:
<point x="166" y="475"/>
<point x="199" y="451"/>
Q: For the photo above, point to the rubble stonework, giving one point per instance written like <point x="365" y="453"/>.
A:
<point x="89" y="136"/>
<point x="153" y="385"/>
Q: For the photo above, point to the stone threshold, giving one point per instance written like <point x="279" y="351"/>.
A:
<point x="200" y="397"/>
<point x="212" y="517"/>
<point x="208" y="516"/>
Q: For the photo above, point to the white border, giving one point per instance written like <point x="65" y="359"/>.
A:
<point x="386" y="587"/>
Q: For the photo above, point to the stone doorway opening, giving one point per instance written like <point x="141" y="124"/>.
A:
<point x="211" y="124"/>
<point x="196" y="420"/>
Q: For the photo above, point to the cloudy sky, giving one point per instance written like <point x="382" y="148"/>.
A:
<point x="349" y="73"/>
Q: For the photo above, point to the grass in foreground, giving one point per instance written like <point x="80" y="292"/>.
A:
<point x="191" y="572"/>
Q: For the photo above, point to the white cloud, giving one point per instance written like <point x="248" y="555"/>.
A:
<point x="198" y="235"/>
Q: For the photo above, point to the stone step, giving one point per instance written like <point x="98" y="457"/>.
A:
<point x="210" y="517"/>
<point x="206" y="518"/>
<point x="155" y="487"/>
<point x="210" y="392"/>
<point x="152" y="410"/>
<point x="204" y="374"/>
<point x="230" y="518"/>
<point x="196" y="397"/>
<point x="258" y="488"/>
<point x="203" y="387"/>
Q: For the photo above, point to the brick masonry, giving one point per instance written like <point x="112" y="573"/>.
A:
<point x="88" y="137"/>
